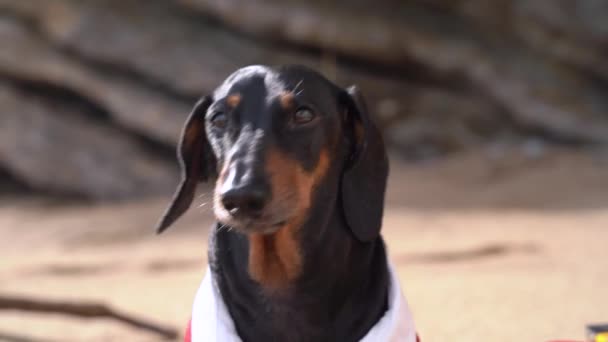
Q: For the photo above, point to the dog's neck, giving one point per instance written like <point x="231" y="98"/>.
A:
<point x="339" y="293"/>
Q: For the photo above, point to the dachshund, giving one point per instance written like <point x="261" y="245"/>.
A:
<point x="300" y="175"/>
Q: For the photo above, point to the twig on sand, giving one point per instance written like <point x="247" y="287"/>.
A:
<point x="84" y="310"/>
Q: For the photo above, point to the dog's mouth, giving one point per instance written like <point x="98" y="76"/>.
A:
<point x="266" y="223"/>
<point x="252" y="225"/>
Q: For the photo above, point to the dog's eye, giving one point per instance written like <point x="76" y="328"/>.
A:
<point x="303" y="116"/>
<point x="219" y="120"/>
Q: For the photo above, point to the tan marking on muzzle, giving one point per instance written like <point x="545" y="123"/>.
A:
<point x="233" y="100"/>
<point x="287" y="100"/>
<point x="275" y="259"/>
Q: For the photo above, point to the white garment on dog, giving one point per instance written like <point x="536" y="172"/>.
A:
<point x="212" y="322"/>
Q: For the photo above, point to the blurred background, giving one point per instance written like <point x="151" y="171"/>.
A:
<point x="495" y="114"/>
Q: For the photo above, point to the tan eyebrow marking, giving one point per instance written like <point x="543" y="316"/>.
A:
<point x="287" y="100"/>
<point x="233" y="100"/>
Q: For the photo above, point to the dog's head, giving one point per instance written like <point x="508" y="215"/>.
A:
<point x="274" y="137"/>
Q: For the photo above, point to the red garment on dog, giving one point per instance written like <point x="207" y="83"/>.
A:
<point x="188" y="336"/>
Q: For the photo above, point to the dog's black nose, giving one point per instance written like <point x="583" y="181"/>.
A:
<point x="245" y="201"/>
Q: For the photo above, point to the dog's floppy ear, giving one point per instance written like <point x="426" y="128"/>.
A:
<point x="196" y="160"/>
<point x="363" y="183"/>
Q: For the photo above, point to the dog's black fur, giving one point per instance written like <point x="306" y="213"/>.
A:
<point x="337" y="287"/>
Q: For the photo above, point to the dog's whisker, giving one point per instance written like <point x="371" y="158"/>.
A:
<point x="223" y="226"/>
<point x="203" y="204"/>
<point x="295" y="89"/>
<point x="202" y="195"/>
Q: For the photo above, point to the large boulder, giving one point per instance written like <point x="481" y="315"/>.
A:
<point x="57" y="148"/>
<point x="440" y="76"/>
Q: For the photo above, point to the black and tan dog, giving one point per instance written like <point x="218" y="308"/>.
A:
<point x="301" y="177"/>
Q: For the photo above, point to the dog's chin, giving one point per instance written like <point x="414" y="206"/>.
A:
<point x="254" y="227"/>
<point x="261" y="228"/>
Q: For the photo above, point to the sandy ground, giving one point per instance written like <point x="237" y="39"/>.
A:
<point x="507" y="249"/>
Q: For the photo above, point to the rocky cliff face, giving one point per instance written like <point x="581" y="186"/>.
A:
<point x="93" y="94"/>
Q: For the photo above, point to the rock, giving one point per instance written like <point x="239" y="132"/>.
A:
<point x="10" y="186"/>
<point x="502" y="57"/>
<point x="54" y="147"/>
<point x="533" y="148"/>
<point x="190" y="56"/>
<point x="443" y="123"/>
<point x="439" y="76"/>
<point x="26" y="56"/>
